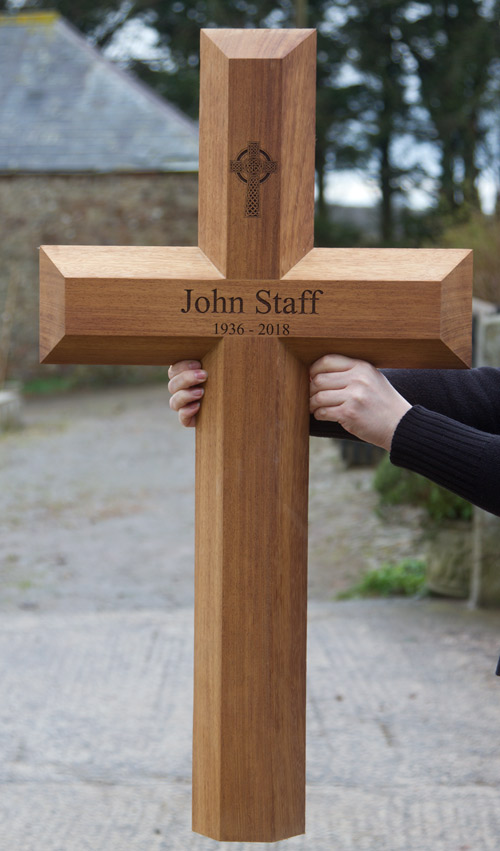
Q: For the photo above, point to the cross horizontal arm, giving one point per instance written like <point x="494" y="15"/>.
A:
<point x="158" y="305"/>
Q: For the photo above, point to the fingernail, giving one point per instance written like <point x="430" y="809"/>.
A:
<point x="198" y="392"/>
<point x="201" y="374"/>
<point x="194" y="364"/>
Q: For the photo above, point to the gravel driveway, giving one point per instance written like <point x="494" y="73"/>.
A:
<point x="96" y="501"/>
<point x="96" y="647"/>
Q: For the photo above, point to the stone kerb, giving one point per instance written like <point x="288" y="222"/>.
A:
<point x="485" y="581"/>
<point x="10" y="408"/>
<point x="488" y="339"/>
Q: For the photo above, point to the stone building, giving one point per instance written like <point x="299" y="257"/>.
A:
<point x="88" y="155"/>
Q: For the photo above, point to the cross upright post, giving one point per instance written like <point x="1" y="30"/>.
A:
<point x="258" y="304"/>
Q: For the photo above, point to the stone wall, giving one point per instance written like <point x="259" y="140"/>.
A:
<point x="156" y="209"/>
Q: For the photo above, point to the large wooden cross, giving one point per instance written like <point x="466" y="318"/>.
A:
<point x="258" y="304"/>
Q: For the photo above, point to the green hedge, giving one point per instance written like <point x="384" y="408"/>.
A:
<point x="396" y="485"/>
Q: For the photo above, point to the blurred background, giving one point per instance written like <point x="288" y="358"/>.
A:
<point x="99" y="145"/>
<point x="408" y="133"/>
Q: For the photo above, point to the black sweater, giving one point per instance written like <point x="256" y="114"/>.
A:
<point x="452" y="432"/>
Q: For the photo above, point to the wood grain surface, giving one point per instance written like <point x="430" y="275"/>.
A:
<point x="394" y="307"/>
<point x="257" y="86"/>
<point x="257" y="303"/>
<point x="251" y="594"/>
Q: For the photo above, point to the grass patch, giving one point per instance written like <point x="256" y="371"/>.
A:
<point x="50" y="385"/>
<point x="85" y="377"/>
<point x="405" y="579"/>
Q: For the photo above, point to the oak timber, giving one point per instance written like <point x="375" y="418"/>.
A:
<point x="394" y="307"/>
<point x="251" y="595"/>
<point x="258" y="303"/>
<point x="260" y="90"/>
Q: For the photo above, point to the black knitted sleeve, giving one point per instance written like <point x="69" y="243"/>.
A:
<point x="459" y="457"/>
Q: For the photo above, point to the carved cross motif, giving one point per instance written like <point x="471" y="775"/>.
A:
<point x="251" y="169"/>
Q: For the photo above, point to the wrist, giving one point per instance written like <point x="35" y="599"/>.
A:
<point x="396" y="419"/>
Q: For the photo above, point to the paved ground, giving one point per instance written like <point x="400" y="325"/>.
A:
<point x="96" y="499"/>
<point x="104" y="484"/>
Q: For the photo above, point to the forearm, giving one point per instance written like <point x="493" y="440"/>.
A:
<point x="451" y="434"/>
<point x="461" y="458"/>
<point x="470" y="396"/>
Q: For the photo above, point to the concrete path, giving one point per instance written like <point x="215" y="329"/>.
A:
<point x="96" y="659"/>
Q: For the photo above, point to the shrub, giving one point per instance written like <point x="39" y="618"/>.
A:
<point x="407" y="578"/>
<point x="396" y="485"/>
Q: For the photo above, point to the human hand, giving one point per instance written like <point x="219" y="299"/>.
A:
<point x="184" y="385"/>
<point x="356" y="395"/>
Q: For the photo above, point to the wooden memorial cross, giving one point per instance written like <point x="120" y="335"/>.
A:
<point x="258" y="304"/>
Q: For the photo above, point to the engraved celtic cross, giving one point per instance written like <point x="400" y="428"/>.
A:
<point x="253" y="166"/>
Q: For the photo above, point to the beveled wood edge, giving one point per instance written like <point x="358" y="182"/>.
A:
<point x="66" y="257"/>
<point x="131" y="351"/>
<point x="457" y="299"/>
<point x="423" y="353"/>
<point x="314" y="265"/>
<point x="131" y="267"/>
<point x="384" y="353"/>
<point x="52" y="306"/>
<point x="285" y="39"/>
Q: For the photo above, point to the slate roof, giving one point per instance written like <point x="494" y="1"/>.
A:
<point x="65" y="108"/>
